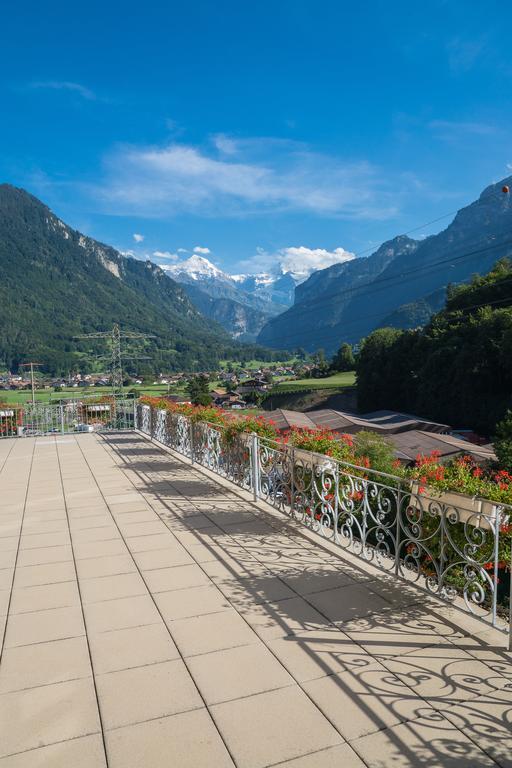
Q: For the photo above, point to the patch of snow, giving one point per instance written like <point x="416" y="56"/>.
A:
<point x="197" y="268"/>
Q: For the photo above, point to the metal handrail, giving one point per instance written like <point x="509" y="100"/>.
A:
<point x="445" y="548"/>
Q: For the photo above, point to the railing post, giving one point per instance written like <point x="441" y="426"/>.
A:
<point x="255" y="466"/>
<point x="336" y="508"/>
<point x="398" y="529"/>
<point x="497" y="521"/>
<point x="135" y="413"/>
<point x="191" y="440"/>
<point x="292" y="479"/>
<point x="510" y="602"/>
<point x="61" y="409"/>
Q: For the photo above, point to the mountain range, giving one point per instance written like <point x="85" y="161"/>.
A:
<point x="242" y="304"/>
<point x="56" y="283"/>
<point x="402" y="284"/>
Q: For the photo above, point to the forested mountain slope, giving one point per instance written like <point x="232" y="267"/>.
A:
<point x="56" y="283"/>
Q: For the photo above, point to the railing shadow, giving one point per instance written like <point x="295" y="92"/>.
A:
<point x="395" y="667"/>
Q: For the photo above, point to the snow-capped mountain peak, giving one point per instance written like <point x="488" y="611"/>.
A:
<point x="274" y="286"/>
<point x="262" y="278"/>
<point x="197" y="268"/>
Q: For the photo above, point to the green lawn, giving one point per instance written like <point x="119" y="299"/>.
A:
<point x="254" y="365"/>
<point x="48" y="395"/>
<point x="337" y="381"/>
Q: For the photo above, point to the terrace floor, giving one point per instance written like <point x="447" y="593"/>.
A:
<point x="156" y="617"/>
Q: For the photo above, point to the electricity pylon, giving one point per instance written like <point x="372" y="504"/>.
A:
<point x="113" y="338"/>
<point x="33" y="386"/>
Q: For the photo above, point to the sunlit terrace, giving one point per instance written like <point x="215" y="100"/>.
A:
<point x="156" y="615"/>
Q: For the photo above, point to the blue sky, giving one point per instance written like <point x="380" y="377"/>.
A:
<point x="246" y="129"/>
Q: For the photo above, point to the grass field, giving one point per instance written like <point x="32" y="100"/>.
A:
<point x="254" y="365"/>
<point x="336" y="381"/>
<point x="48" y="395"/>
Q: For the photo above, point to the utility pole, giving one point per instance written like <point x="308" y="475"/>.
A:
<point x="33" y="385"/>
<point x="114" y="338"/>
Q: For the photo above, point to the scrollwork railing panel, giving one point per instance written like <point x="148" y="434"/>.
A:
<point x="447" y="545"/>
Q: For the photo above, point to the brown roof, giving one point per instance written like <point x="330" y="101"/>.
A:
<point x="284" y="419"/>
<point x="401" y="422"/>
<point x="409" y="444"/>
<point x="383" y="422"/>
<point x="407" y="441"/>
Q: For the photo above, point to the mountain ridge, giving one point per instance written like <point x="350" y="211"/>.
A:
<point x="242" y="304"/>
<point x="331" y="307"/>
<point x="56" y="283"/>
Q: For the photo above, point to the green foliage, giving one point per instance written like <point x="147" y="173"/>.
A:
<point x="254" y="397"/>
<point x="335" y="382"/>
<point x="343" y="360"/>
<point x="198" y="387"/>
<point x="380" y="453"/>
<point x="55" y="284"/>
<point x="458" y="369"/>
<point x="503" y="442"/>
<point x="321" y="362"/>
<point x="374" y="373"/>
<point x="237" y="425"/>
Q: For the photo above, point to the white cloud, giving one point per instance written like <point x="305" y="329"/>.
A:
<point x="165" y="255"/>
<point x="182" y="250"/>
<point x="66" y="85"/>
<point x="138" y="238"/>
<point x="204" y="251"/>
<point x="298" y="260"/>
<point x="237" y="178"/>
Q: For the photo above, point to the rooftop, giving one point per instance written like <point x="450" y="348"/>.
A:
<point x="384" y="422"/>
<point x="408" y="434"/>
<point x="154" y="616"/>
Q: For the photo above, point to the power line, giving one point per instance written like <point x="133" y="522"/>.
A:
<point x="465" y="255"/>
<point x="452" y="311"/>
<point x="326" y="297"/>
<point x="114" y="338"/>
<point x="384" y="283"/>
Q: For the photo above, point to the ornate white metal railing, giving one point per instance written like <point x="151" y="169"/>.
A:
<point x="80" y="415"/>
<point x="452" y="546"/>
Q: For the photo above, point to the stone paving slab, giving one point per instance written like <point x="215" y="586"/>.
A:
<point x="155" y="616"/>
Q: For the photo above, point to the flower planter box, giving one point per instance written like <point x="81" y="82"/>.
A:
<point x="473" y="511"/>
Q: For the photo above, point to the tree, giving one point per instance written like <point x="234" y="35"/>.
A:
<point x="199" y="390"/>
<point x="503" y="442"/>
<point x="456" y="370"/>
<point x="374" y="371"/>
<point x="344" y="360"/>
<point x="320" y="363"/>
<point x="254" y="397"/>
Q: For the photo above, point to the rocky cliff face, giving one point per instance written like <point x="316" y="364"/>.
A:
<point x="320" y="302"/>
<point x="241" y="321"/>
<point x="241" y="304"/>
<point x="56" y="283"/>
<point x="347" y="301"/>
